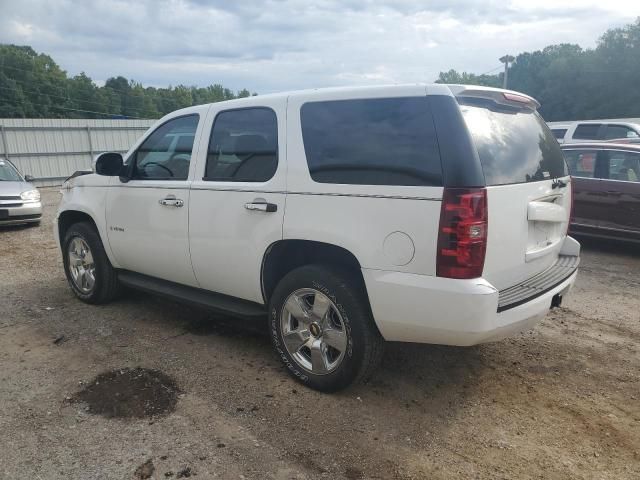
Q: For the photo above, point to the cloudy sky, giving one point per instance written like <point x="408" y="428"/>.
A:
<point x="274" y="45"/>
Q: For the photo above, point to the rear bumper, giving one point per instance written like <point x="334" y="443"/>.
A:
<point x="26" y="213"/>
<point x="426" y="309"/>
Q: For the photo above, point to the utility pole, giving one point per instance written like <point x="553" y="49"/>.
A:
<point x="507" y="59"/>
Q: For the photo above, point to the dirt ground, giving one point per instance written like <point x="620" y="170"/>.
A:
<point x="561" y="401"/>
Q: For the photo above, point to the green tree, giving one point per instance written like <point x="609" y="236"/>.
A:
<point x="576" y="84"/>
<point x="33" y="85"/>
<point x="464" y="78"/>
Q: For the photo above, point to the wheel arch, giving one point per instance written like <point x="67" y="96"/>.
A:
<point x="285" y="255"/>
<point x="70" y="216"/>
<point x="67" y="218"/>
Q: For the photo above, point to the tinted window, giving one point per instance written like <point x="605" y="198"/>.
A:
<point x="581" y="163"/>
<point x="243" y="146"/>
<point x="624" y="166"/>
<point x="384" y="141"/>
<point x="166" y="153"/>
<point x="619" y="131"/>
<point x="514" y="145"/>
<point x="8" y="173"/>
<point x="587" y="131"/>
<point x="559" y="133"/>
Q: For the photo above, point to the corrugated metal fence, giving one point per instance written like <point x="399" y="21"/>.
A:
<point x="52" y="149"/>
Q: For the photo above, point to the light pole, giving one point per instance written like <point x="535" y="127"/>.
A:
<point x="507" y="59"/>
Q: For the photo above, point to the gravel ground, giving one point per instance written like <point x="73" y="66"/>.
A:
<point x="561" y="401"/>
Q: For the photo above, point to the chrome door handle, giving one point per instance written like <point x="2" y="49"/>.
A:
<point x="261" y="206"/>
<point x="171" y="201"/>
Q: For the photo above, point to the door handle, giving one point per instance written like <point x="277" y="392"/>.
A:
<point x="171" y="201"/>
<point x="261" y="206"/>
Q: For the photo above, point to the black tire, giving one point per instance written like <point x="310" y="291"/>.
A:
<point x="106" y="286"/>
<point x="347" y="292"/>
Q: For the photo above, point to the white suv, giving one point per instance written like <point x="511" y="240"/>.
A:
<point x="594" y="130"/>
<point x="347" y="217"/>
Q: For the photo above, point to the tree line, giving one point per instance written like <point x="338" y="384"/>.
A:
<point x="32" y="85"/>
<point x="572" y="83"/>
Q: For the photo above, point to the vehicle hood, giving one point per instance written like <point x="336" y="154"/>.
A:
<point x="14" y="188"/>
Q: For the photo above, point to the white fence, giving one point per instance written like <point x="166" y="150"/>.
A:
<point x="52" y="149"/>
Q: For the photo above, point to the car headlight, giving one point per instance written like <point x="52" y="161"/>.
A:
<point x="30" y="195"/>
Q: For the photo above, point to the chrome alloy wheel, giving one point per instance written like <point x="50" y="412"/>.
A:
<point x="81" y="266"/>
<point x="313" y="331"/>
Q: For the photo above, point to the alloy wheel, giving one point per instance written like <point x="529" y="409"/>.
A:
<point x="81" y="265"/>
<point x="313" y="331"/>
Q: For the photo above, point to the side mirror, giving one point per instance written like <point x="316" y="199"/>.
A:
<point x="109" y="164"/>
<point x="29" y="178"/>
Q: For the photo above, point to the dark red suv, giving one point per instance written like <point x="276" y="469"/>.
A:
<point x="606" y="186"/>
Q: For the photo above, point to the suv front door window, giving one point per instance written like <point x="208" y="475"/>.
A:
<point x="166" y="153"/>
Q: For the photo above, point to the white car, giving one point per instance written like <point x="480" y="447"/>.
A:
<point x="19" y="198"/>
<point x="346" y="217"/>
<point x="593" y="130"/>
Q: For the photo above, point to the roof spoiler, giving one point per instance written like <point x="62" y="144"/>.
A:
<point x="500" y="96"/>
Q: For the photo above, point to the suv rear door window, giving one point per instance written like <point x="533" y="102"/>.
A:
<point x="243" y="146"/>
<point x="381" y="141"/>
<point x="587" y="131"/>
<point x="581" y="163"/>
<point x="514" y="145"/>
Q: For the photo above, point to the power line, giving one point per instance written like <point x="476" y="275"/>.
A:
<point x="124" y="92"/>
<point x="106" y="114"/>
<point x="64" y="97"/>
<point x="129" y="93"/>
<point x="492" y="70"/>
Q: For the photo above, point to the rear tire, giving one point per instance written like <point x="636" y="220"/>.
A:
<point x="322" y="327"/>
<point x="86" y="265"/>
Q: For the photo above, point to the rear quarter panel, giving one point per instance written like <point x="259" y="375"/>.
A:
<point x="385" y="227"/>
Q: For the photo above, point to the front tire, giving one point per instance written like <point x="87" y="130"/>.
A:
<point x="86" y="265"/>
<point x="322" y="328"/>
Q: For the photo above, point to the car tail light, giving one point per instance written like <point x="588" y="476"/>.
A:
<point x="462" y="239"/>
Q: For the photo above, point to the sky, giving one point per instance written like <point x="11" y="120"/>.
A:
<point x="277" y="45"/>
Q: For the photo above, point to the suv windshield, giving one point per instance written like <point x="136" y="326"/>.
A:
<point x="514" y="145"/>
<point x="8" y="173"/>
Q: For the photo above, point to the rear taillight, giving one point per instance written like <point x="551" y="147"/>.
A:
<point x="462" y="239"/>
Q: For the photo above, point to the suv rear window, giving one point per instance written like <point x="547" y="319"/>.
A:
<point x="514" y="145"/>
<point x="382" y="141"/>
